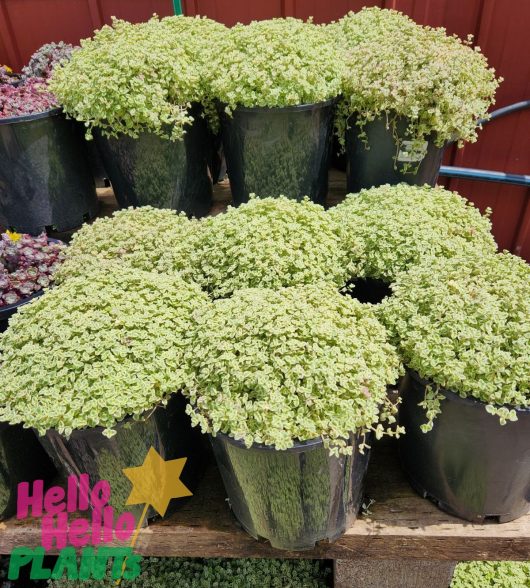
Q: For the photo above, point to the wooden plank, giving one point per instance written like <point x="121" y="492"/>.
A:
<point x="401" y="525"/>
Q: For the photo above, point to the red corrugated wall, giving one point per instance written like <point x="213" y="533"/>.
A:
<point x="500" y="29"/>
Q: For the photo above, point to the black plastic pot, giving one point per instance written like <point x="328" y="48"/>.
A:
<point x="157" y="172"/>
<point x="22" y="459"/>
<point x="294" y="497"/>
<point x="469" y="464"/>
<point x="275" y="151"/>
<point x="45" y="180"/>
<point x="380" y="161"/>
<point x="167" y="429"/>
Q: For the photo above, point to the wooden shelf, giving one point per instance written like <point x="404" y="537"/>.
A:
<point x="402" y="525"/>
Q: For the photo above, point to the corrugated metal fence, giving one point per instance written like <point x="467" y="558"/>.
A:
<point x="500" y="29"/>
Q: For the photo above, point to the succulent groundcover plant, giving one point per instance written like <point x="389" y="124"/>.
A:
<point x="96" y="349"/>
<point x="397" y="68"/>
<point x="31" y="97"/>
<point x="144" y="238"/>
<point x="275" y="63"/>
<point x="269" y="243"/>
<point x="130" y="78"/>
<point x="7" y="76"/>
<point x="463" y="324"/>
<point x="42" y="63"/>
<point x="388" y="229"/>
<point x="275" y="366"/>
<point x="27" y="265"/>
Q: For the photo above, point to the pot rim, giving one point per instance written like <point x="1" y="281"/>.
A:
<point x="470" y="400"/>
<point x="298" y="446"/>
<point x="295" y="107"/>
<point x="31" y="117"/>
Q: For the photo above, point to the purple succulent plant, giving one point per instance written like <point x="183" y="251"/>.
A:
<point x="7" y="76"/>
<point x="30" y="97"/>
<point x="43" y="61"/>
<point x="27" y="264"/>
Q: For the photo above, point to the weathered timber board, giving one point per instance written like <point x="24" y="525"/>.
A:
<point x="401" y="525"/>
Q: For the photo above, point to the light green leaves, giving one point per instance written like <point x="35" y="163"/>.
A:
<point x="395" y="67"/>
<point x="268" y="243"/>
<point x="464" y="324"/>
<point x="138" y="77"/>
<point x="387" y="230"/>
<point x="96" y="349"/>
<point x="274" y="63"/>
<point x="272" y="367"/>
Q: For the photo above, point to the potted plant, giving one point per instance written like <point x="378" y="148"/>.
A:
<point x="145" y="238"/>
<point x="8" y="76"/>
<point x="268" y="243"/>
<point x="389" y="229"/>
<point x="140" y="90"/>
<point x="408" y="91"/>
<point x="93" y="366"/>
<point x="462" y="328"/>
<point x="276" y="82"/>
<point x="42" y="63"/>
<point x="289" y="384"/>
<point x="44" y="177"/>
<point x="27" y="265"/>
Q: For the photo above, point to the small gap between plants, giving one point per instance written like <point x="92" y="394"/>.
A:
<point x="368" y="290"/>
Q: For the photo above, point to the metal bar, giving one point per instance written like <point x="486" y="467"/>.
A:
<point x="505" y="110"/>
<point x="177" y="6"/>
<point x="468" y="173"/>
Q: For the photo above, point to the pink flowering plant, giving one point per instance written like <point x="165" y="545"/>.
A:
<point x="27" y="265"/>
<point x="31" y="97"/>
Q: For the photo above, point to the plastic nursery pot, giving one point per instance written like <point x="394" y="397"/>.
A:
<point x="274" y="151"/>
<point x="167" y="429"/>
<point x="379" y="160"/>
<point x="22" y="459"/>
<point x="293" y="497"/>
<point x="469" y="464"/>
<point x="157" y="172"/>
<point x="45" y="180"/>
<point x="6" y="312"/>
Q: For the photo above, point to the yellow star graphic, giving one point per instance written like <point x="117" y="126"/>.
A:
<point x="156" y="482"/>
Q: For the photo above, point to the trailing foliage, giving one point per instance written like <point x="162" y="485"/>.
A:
<point x="464" y="324"/>
<point x="93" y="351"/>
<point x="144" y="238"/>
<point x="131" y="78"/>
<point x="31" y="97"/>
<point x="27" y="264"/>
<point x="275" y="63"/>
<point x="219" y="573"/>
<point x="43" y="61"/>
<point x="298" y="363"/>
<point x="492" y="574"/>
<point x="397" y="68"/>
<point x="268" y="243"/>
<point x="388" y="229"/>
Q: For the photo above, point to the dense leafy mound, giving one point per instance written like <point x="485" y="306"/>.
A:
<point x="220" y="573"/>
<point x="138" y="77"/>
<point x="388" y="229"/>
<point x="492" y="574"/>
<point x="143" y="238"/>
<point x="272" y="367"/>
<point x="96" y="350"/>
<point x="397" y="68"/>
<point x="268" y="243"/>
<point x="464" y="323"/>
<point x="275" y="63"/>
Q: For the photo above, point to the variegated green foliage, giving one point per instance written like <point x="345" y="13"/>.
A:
<point x="388" y="229"/>
<point x="464" y="324"/>
<point x="144" y="238"/>
<point x="275" y="63"/>
<point x="268" y="243"/>
<point x="274" y="366"/>
<point x="492" y="574"/>
<point x="395" y="67"/>
<point x="96" y="349"/>
<point x="131" y="78"/>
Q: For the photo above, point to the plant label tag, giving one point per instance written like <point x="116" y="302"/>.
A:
<point x="411" y="151"/>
